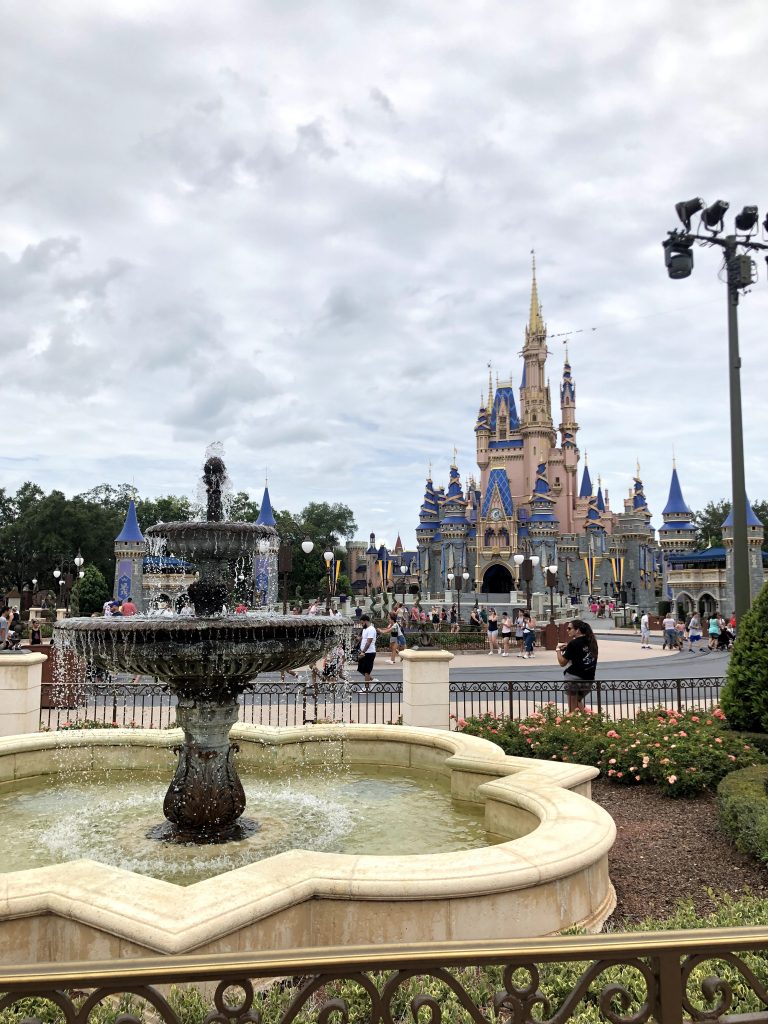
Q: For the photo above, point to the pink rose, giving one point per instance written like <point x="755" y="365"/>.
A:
<point x="671" y="779"/>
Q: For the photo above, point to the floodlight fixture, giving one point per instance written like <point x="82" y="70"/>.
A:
<point x="712" y="217"/>
<point x="746" y="221"/>
<point x="687" y="209"/>
<point x="678" y="256"/>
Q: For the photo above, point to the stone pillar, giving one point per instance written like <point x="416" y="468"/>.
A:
<point x="425" y="688"/>
<point x="20" y="693"/>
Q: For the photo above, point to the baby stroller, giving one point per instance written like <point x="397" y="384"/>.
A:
<point x="725" y="640"/>
<point x="13" y="641"/>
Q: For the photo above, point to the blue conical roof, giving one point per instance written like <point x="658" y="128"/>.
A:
<point x="585" y="491"/>
<point x="266" y="518"/>
<point x="675" y="502"/>
<point x="752" y="519"/>
<point x="600" y="499"/>
<point x="130" y="531"/>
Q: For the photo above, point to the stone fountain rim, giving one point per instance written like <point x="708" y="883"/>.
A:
<point x="191" y="623"/>
<point x="573" y="836"/>
<point x="214" y="526"/>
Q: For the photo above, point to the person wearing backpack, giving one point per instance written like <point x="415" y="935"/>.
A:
<point x="396" y="638"/>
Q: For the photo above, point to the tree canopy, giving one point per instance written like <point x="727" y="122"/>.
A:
<point x="709" y="521"/>
<point x="40" y="532"/>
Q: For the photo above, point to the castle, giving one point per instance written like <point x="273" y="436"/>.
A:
<point x="528" y="500"/>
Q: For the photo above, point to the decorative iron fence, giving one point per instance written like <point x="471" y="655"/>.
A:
<point x="150" y="705"/>
<point x="674" y="977"/>
<point x="615" y="698"/>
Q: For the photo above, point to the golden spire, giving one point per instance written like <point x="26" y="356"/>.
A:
<point x="637" y="469"/>
<point x="586" y="458"/>
<point x="490" y="389"/>
<point x="674" y="461"/>
<point x="455" y="453"/>
<point x="429" y="471"/>
<point x="567" y="360"/>
<point x="535" y="323"/>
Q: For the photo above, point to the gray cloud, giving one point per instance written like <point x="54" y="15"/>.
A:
<point x="306" y="229"/>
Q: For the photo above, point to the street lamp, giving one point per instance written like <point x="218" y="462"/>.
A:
<point x="552" y="583"/>
<point x="307" y="546"/>
<point x="328" y="556"/>
<point x="739" y="267"/>
<point x="525" y="565"/>
<point x="462" y="580"/>
<point x="403" y="573"/>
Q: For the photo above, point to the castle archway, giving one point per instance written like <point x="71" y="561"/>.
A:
<point x="707" y="604"/>
<point x="497" y="579"/>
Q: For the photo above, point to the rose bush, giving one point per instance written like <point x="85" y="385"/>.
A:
<point x="680" y="752"/>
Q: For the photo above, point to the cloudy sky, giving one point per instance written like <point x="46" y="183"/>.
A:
<point x="304" y="229"/>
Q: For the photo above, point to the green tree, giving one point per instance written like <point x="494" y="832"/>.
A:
<point x="242" y="509"/>
<point x="325" y="525"/>
<point x="89" y="593"/>
<point x="745" y="695"/>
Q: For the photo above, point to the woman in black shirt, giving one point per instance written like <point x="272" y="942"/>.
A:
<point x="579" y="659"/>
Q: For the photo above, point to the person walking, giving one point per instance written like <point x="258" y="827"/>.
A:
<point x="645" y="631"/>
<point x="493" y="632"/>
<point x="367" y="649"/>
<point x="694" y="633"/>
<point x="506" y="634"/>
<point x="395" y="634"/>
<point x="713" y="630"/>
<point x="529" y="635"/>
<point x="579" y="659"/>
<point x="474" y="620"/>
<point x="454" y="619"/>
<point x="670" y="635"/>
<point x="519" y="623"/>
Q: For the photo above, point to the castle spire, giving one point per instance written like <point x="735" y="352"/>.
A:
<point x="535" y="322"/>
<point x="490" y="389"/>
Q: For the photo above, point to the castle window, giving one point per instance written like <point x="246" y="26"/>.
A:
<point x="504" y="537"/>
<point x="502" y="428"/>
<point x="489" y="537"/>
<point x="557" y="481"/>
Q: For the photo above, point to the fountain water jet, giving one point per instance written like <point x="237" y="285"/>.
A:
<point x="207" y="660"/>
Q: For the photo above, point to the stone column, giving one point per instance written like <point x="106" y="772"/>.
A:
<point x="425" y="688"/>
<point x="20" y="693"/>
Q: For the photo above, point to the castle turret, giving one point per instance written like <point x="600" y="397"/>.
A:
<point x="678" y="532"/>
<point x="130" y="549"/>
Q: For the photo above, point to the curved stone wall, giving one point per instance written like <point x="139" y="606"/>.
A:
<point x="550" y="878"/>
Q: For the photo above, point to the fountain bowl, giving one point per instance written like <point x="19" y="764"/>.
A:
<point x="202" y="654"/>
<point x="224" y="541"/>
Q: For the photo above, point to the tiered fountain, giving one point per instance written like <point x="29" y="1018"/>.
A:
<point x="206" y="659"/>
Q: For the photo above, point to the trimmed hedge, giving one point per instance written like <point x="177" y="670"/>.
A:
<point x="742" y="803"/>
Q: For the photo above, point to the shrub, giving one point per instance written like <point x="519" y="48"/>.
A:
<point x="742" y="804"/>
<point x="680" y="753"/>
<point x="89" y="593"/>
<point x="745" y="694"/>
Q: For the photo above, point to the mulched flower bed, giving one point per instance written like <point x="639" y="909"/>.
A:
<point x="670" y="849"/>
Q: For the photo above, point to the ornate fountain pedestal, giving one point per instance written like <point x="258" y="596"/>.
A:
<point x="205" y="798"/>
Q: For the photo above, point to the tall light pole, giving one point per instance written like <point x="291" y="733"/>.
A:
<point x="739" y="274"/>
<point x="462" y="581"/>
<point x="403" y="573"/>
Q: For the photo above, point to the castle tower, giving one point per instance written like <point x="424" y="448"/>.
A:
<point x="536" y="424"/>
<point x="633" y="526"/>
<point x="568" y="430"/>
<point x="454" y="525"/>
<point x="678" y="532"/>
<point x="265" y="574"/>
<point x="130" y="549"/>
<point x="755" y="537"/>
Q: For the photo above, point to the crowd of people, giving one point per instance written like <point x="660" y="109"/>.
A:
<point x="692" y="631"/>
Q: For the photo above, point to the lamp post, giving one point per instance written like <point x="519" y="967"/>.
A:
<point x="403" y="574"/>
<point x="284" y="569"/>
<point x="462" y="580"/>
<point x="525" y="565"/>
<point x="329" y="560"/>
<point x="550" y="632"/>
<point x="739" y="268"/>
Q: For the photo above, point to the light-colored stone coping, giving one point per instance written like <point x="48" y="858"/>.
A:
<point x="572" y="835"/>
<point x="33" y="658"/>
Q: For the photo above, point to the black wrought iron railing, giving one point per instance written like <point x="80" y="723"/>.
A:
<point x="149" y="705"/>
<point x="615" y="698"/>
<point x="673" y="977"/>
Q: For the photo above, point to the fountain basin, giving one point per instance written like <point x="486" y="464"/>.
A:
<point x="553" y="877"/>
<point x="203" y="653"/>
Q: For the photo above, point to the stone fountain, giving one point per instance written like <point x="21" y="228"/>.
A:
<point x="207" y="660"/>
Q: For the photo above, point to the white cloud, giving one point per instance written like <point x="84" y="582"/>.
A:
<point x="305" y="229"/>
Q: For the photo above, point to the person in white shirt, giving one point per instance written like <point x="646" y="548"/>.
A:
<point x="367" y="649"/>
<point x="645" y="630"/>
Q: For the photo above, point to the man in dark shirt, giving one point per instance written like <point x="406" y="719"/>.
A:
<point x="579" y="659"/>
